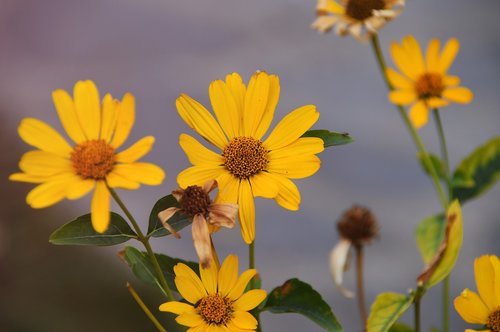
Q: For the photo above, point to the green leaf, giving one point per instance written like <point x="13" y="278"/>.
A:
<point x="79" y="232"/>
<point x="178" y="221"/>
<point x="430" y="235"/>
<point x="295" y="296"/>
<point x="330" y="138"/>
<point x="445" y="258"/>
<point x="436" y="163"/>
<point x="144" y="270"/>
<point x="400" y="327"/>
<point x="386" y="310"/>
<point x="478" y="172"/>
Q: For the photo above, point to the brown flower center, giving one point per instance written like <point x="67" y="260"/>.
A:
<point x="195" y="201"/>
<point x="215" y="309"/>
<point x="93" y="159"/>
<point x="494" y="321"/>
<point x="362" y="9"/>
<point x="358" y="224"/>
<point x="245" y="156"/>
<point x="429" y="85"/>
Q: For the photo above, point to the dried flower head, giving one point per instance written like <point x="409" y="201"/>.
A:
<point x="358" y="225"/>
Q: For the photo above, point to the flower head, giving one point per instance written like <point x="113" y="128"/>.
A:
<point x="360" y="18"/>
<point x="218" y="302"/>
<point x="71" y="170"/>
<point x="246" y="165"/>
<point x="482" y="308"/>
<point x="425" y="83"/>
<point x="196" y="204"/>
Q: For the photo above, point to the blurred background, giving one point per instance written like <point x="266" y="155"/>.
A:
<point x="157" y="49"/>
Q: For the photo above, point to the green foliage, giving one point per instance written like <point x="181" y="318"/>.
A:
<point x="437" y="164"/>
<point x="386" y="310"/>
<point x="178" y="221"/>
<point x="430" y="234"/>
<point x="330" y="138"/>
<point x="295" y="296"/>
<point x="80" y="232"/>
<point x="478" y="172"/>
<point x="400" y="327"/>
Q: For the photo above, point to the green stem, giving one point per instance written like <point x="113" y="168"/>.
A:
<point x="144" y="308"/>
<point x="413" y="132"/>
<point x="446" y="305"/>
<point x="360" y="288"/>
<point x="251" y="262"/>
<point x="144" y="240"/>
<point x="417" y="314"/>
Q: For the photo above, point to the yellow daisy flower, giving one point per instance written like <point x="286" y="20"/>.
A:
<point x="217" y="302"/>
<point x="246" y="165"/>
<point x="424" y="82"/>
<point x="360" y="18"/>
<point x="65" y="170"/>
<point x="484" y="308"/>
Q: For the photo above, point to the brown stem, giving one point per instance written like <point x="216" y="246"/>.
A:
<point x="360" y="290"/>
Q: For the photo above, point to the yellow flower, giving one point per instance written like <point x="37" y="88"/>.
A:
<point x="70" y="171"/>
<point x="483" y="308"/>
<point x="247" y="166"/>
<point x="360" y="18"/>
<point x="218" y="301"/>
<point x="425" y="83"/>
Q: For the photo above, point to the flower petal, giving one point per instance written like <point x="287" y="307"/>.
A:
<point x="436" y="102"/>
<point x="264" y="185"/>
<point x="402" y="97"/>
<point x="23" y="177"/>
<point x="250" y="300"/>
<point x="403" y="61"/>
<point x="244" y="320"/>
<point x="228" y="274"/>
<point x="238" y="89"/>
<point x="198" y="175"/>
<point x="470" y="306"/>
<point x="117" y="181"/>
<point x="419" y="114"/>
<point x="190" y="319"/>
<point x="241" y="284"/>
<point x="138" y="150"/>
<point x="291" y="127"/>
<point x="288" y="196"/>
<point x="296" y="167"/>
<point x="413" y="49"/>
<point x="495" y="262"/>
<point x="189" y="285"/>
<point x="329" y="7"/>
<point x="87" y="106"/>
<point x="246" y="212"/>
<point x="197" y="117"/>
<point x="255" y="102"/>
<point x="485" y="281"/>
<point x="229" y="188"/>
<point x="450" y="80"/>
<point x="50" y="192"/>
<point x="448" y="55"/>
<point x="324" y="23"/>
<point x="225" y="108"/>
<point x="222" y="214"/>
<point x="458" y="94"/>
<point x="338" y="262"/>
<point x="125" y="120"/>
<point x="40" y="135"/>
<point x="302" y="146"/>
<point x="145" y="173"/>
<point x="432" y="55"/>
<point x="197" y="153"/>
<point x="176" y="307"/>
<point x="66" y="110"/>
<point x="272" y="102"/>
<point x="43" y="163"/>
<point x="208" y="270"/>
<point x="397" y="80"/>
<point x="100" y="207"/>
<point x="109" y="117"/>
<point x="79" y="188"/>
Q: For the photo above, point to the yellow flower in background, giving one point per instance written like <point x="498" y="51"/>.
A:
<point x="246" y="165"/>
<point x="360" y="18"/>
<point x="484" y="308"/>
<point x="424" y="83"/>
<point x="218" y="302"/>
<point x="65" y="170"/>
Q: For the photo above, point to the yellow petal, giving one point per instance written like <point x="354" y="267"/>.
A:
<point x="198" y="175"/>
<point x="288" y="196"/>
<point x="255" y="102"/>
<point x="43" y="163"/>
<point x="246" y="212"/>
<point x="459" y="95"/>
<point x="145" y="173"/>
<point x="40" y="135"/>
<point x="472" y="309"/>
<point x="329" y="6"/>
<point x="250" y="300"/>
<point x="229" y="188"/>
<point x="413" y="49"/>
<point x="176" y="307"/>
<point x="485" y="281"/>
<point x="397" y="80"/>
<point x="244" y="320"/>
<point x="403" y="61"/>
<point x="66" y="110"/>
<point x="23" y="177"/>
<point x="190" y="319"/>
<point x="136" y="151"/>
<point x="79" y="188"/>
<point x="50" y="192"/>
<point x="263" y="185"/>
<point x="225" y="108"/>
<point x="188" y="283"/>
<point x="197" y="117"/>
<point x="432" y="55"/>
<point x="124" y="121"/>
<point x="448" y="55"/>
<point x="450" y="80"/>
<point x="295" y="167"/>
<point x="241" y="284"/>
<point x="231" y="327"/>
<point x="402" y="97"/>
<point x="437" y="102"/>
<point x="495" y="262"/>
<point x="109" y="117"/>
<point x="116" y="181"/>
<point x="197" y="153"/>
<point x="87" y="108"/>
<point x="209" y="276"/>
<point x="228" y="274"/>
<point x="419" y="114"/>
<point x="272" y="102"/>
<point x="100" y="208"/>
<point x="238" y="90"/>
<point x="291" y="127"/>
<point x="302" y="146"/>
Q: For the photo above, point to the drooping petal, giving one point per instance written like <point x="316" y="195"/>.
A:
<point x="197" y="153"/>
<point x="222" y="214"/>
<point x="397" y="80"/>
<point x="225" y="108"/>
<point x="100" y="207"/>
<point x="325" y="23"/>
<point x="448" y="55"/>
<point x="125" y="120"/>
<point x="458" y="94"/>
<point x="244" y="320"/>
<point x="264" y="185"/>
<point x="402" y="97"/>
<point x="485" y="281"/>
<point x="209" y="186"/>
<point x="88" y="108"/>
<point x="272" y="102"/>
<point x="67" y="114"/>
<point x="250" y="300"/>
<point x="40" y="135"/>
<point x="338" y="263"/>
<point x="295" y="167"/>
<point x="109" y="117"/>
<point x="43" y="163"/>
<point x="164" y="216"/>
<point x="419" y="114"/>
<point x="198" y="175"/>
<point x="203" y="247"/>
<point x="288" y="195"/>
<point x="117" y="181"/>
<point x="241" y="284"/>
<point x="138" y="150"/>
<point x="255" y="102"/>
<point x="291" y="127"/>
<point x="145" y="173"/>
<point x="246" y="212"/>
<point x="470" y="306"/>
<point x="432" y="55"/>
<point x="302" y="146"/>
<point x="176" y="307"/>
<point x="79" y="188"/>
<point x="228" y="274"/>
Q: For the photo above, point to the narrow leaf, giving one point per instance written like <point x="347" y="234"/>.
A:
<point x="330" y="138"/>
<point x="295" y="296"/>
<point x="386" y="310"/>
<point x="178" y="221"/>
<point x="79" y="232"/>
<point x="430" y="234"/>
<point x="437" y="164"/>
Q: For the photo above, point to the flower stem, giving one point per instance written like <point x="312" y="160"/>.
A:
<point x="417" y="314"/>
<point x="413" y="132"/>
<point x="251" y="262"/>
<point x="360" y="288"/>
<point x="446" y="301"/>
<point x="144" y="240"/>
<point x="144" y="308"/>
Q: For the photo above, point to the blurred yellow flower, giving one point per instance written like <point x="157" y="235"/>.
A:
<point x="424" y="82"/>
<point x="70" y="171"/>
<point x="246" y="165"/>
<point x="218" y="302"/>
<point x="360" y="18"/>
<point x="484" y="308"/>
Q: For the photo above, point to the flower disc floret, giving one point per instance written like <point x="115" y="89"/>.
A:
<point x="215" y="309"/>
<point x="494" y="321"/>
<point x="195" y="201"/>
<point x="245" y="156"/>
<point x="429" y="85"/>
<point x="363" y="9"/>
<point x="93" y="159"/>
